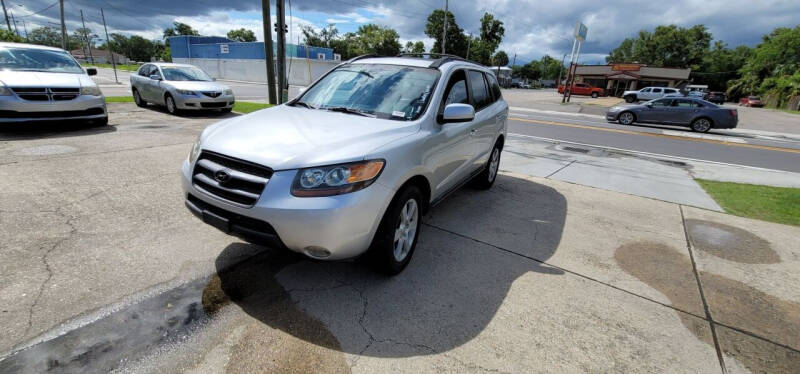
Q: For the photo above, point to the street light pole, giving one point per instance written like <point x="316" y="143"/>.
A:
<point x="63" y="27"/>
<point x="108" y="46"/>
<point x="560" y="69"/>
<point x="444" y="32"/>
<point x="8" y="23"/>
<point x="86" y="36"/>
<point x="267" y="21"/>
<point x="280" y="13"/>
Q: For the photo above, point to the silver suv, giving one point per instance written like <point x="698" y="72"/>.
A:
<point x="179" y="87"/>
<point x="351" y="166"/>
<point x="650" y="93"/>
<point x="40" y="83"/>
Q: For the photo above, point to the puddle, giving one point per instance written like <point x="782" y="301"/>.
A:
<point x="171" y="317"/>
<point x="731" y="302"/>
<point x="45" y="150"/>
<point x="730" y="243"/>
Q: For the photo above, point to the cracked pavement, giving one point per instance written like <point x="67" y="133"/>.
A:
<point x="105" y="270"/>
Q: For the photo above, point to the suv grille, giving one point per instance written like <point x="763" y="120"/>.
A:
<point x="230" y="179"/>
<point x="46" y="93"/>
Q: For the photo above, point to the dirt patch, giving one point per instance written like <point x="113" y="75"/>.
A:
<point x="730" y="243"/>
<point x="305" y="344"/>
<point x="731" y="302"/>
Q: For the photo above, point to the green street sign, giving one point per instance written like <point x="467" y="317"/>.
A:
<point x="580" y="31"/>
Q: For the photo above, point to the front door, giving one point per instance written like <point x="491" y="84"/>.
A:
<point x="657" y="111"/>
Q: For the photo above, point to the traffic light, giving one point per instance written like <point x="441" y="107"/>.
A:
<point x="285" y="28"/>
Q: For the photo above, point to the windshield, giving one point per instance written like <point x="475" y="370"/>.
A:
<point x="34" y="59"/>
<point x="384" y="91"/>
<point x="184" y="73"/>
<point x="754" y="98"/>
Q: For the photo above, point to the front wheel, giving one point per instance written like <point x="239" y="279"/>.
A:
<point x="595" y="95"/>
<point x="170" y="103"/>
<point x="486" y="178"/>
<point x="396" y="239"/>
<point x="626" y="118"/>
<point x="138" y="99"/>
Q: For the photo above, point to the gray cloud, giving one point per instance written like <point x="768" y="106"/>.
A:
<point x="533" y="28"/>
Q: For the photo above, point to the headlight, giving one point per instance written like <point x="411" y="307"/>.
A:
<point x="228" y="91"/>
<point x="195" y="151"/>
<point x="186" y="92"/>
<point x="336" y="179"/>
<point x="4" y="91"/>
<point x="91" y="90"/>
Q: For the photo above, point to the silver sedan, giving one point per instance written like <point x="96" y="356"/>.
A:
<point x="179" y="87"/>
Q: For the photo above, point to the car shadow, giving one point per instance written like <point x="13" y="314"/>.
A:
<point x="449" y="293"/>
<point x="209" y="113"/>
<point x="50" y="129"/>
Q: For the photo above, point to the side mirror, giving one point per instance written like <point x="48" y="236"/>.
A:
<point x="155" y="77"/>
<point x="458" y="113"/>
<point x="91" y="71"/>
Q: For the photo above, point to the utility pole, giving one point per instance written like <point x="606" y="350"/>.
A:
<point x="86" y="36"/>
<point x="267" y="21"/>
<point x="469" y="44"/>
<point x="25" y="27"/>
<point x="280" y="10"/>
<point x="108" y="46"/>
<point x="8" y="23"/>
<point x="15" y="24"/>
<point x="444" y="32"/>
<point x="63" y="27"/>
<point x="560" y="69"/>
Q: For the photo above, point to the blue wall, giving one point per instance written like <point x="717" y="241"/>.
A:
<point x="209" y="47"/>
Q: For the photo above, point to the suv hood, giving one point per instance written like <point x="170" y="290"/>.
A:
<point x="630" y="93"/>
<point x="285" y="137"/>
<point x="44" y="79"/>
<point x="197" y="86"/>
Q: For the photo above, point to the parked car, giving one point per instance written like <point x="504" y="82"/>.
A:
<point x="716" y="97"/>
<point x="583" y="89"/>
<point x="650" y="93"/>
<point x="751" y="101"/>
<point x="699" y="115"/>
<point x="350" y="166"/>
<point x="697" y="94"/>
<point x="179" y="87"/>
<point x="43" y="83"/>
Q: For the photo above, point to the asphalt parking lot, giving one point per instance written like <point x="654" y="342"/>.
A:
<point x="104" y="268"/>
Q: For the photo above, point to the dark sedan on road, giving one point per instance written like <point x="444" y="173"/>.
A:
<point x="699" y="115"/>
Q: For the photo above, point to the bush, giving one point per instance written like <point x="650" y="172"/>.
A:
<point x="8" y="36"/>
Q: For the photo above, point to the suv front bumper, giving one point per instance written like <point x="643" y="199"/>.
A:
<point x="344" y="225"/>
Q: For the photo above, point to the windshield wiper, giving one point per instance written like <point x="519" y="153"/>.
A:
<point x="343" y="109"/>
<point x="305" y="104"/>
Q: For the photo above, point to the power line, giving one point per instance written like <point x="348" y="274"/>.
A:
<point x="37" y="12"/>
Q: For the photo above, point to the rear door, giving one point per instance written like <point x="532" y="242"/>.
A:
<point x="496" y="111"/>
<point x="682" y="111"/>
<point x="656" y="93"/>
<point x="485" y="119"/>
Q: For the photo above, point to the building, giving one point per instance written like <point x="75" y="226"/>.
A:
<point x="503" y="74"/>
<point x="227" y="59"/>
<point x="100" y="56"/>
<point x="618" y="78"/>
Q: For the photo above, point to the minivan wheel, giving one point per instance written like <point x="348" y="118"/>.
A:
<point x="701" y="125"/>
<point x="397" y="235"/>
<point x="629" y="99"/>
<point x="486" y="178"/>
<point x="138" y="99"/>
<point x="626" y="118"/>
<point x="171" y="107"/>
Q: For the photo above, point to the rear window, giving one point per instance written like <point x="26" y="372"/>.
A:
<point x="494" y="86"/>
<point x="478" y="90"/>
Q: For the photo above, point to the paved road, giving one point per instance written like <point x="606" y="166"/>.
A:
<point x="676" y="142"/>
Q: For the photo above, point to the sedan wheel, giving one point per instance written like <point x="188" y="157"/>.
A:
<point x="171" y="107"/>
<point x="701" y="125"/>
<point x="138" y="99"/>
<point x="626" y="118"/>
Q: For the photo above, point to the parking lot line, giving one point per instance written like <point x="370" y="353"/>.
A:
<point x="631" y="132"/>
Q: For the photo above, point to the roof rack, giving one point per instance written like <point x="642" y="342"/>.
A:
<point x="362" y="57"/>
<point x="441" y="60"/>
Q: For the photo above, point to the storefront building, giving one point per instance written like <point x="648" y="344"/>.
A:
<point x="618" y="78"/>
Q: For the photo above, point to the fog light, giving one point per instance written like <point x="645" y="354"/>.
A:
<point x="317" y="252"/>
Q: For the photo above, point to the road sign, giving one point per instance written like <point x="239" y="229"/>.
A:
<point x="223" y="48"/>
<point x="580" y="31"/>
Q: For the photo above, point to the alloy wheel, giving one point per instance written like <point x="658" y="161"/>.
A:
<point x="494" y="164"/>
<point x="626" y="118"/>
<point x="406" y="230"/>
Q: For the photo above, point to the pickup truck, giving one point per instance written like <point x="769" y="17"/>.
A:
<point x="583" y="89"/>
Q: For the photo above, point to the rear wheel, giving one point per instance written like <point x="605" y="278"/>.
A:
<point x="626" y="118"/>
<point x="396" y="239"/>
<point x="486" y="178"/>
<point x="138" y="99"/>
<point x="701" y="125"/>
<point x="595" y="95"/>
<point x="170" y="103"/>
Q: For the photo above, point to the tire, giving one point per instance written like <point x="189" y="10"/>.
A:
<point x="629" y="99"/>
<point x="397" y="235"/>
<point x="169" y="102"/>
<point x="626" y="118"/>
<point x="595" y="95"/>
<point x="701" y="124"/>
<point x="138" y="99"/>
<point x="486" y="178"/>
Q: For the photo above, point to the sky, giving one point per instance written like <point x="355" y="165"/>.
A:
<point x="533" y="27"/>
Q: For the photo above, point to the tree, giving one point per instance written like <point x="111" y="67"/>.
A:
<point x="720" y="65"/>
<point x="666" y="46"/>
<point x="623" y="53"/>
<point x="379" y="40"/>
<point x="85" y="36"/>
<point x="492" y="31"/>
<point x="772" y="68"/>
<point x="412" y="47"/>
<point x="323" y="38"/>
<point x="242" y="35"/>
<point x="46" y="35"/>
<point x="179" y="29"/>
<point x="9" y="36"/>
<point x="140" y="49"/>
<point x="500" y="58"/>
<point x="456" y="43"/>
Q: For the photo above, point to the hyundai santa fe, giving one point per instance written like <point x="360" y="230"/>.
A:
<point x="349" y="167"/>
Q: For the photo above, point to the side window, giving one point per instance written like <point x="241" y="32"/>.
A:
<point x="144" y="70"/>
<point x="662" y="102"/>
<point x="656" y="90"/>
<point x="495" y="86"/>
<point x="456" y="90"/>
<point x="670" y="91"/>
<point x="154" y="71"/>
<point x="682" y="103"/>
<point x="478" y="90"/>
<point x="645" y="90"/>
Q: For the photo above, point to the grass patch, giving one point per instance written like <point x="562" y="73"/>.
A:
<point x="773" y="204"/>
<point x="795" y="112"/>
<point x="126" y="67"/>
<point x="246" y="107"/>
<point x="119" y="99"/>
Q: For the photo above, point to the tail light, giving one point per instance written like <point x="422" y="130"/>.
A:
<point x="734" y="112"/>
